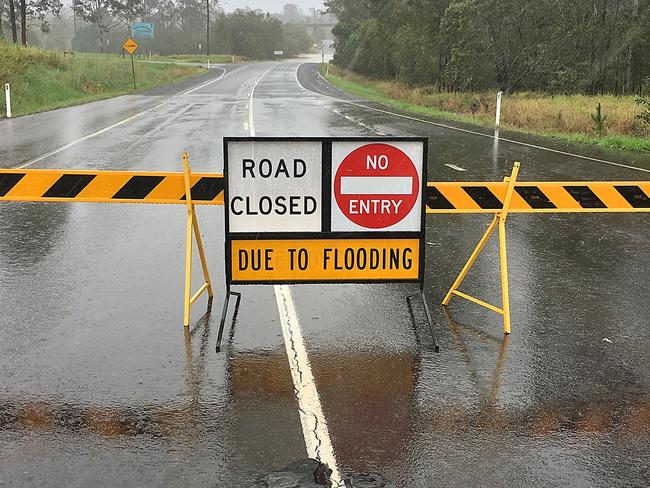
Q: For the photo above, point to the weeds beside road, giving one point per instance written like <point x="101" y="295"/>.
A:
<point x="567" y="117"/>
<point x="46" y="79"/>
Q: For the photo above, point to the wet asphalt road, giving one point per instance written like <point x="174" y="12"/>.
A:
<point x="100" y="386"/>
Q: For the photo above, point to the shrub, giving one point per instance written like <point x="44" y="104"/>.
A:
<point x="599" y="119"/>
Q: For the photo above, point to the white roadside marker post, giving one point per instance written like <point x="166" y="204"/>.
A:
<point x="8" y="99"/>
<point x="497" y="122"/>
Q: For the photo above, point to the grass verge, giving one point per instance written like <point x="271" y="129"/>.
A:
<point x="44" y="80"/>
<point x="565" y="118"/>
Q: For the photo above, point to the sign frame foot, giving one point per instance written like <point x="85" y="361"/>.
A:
<point x="436" y="347"/>
<point x="224" y="312"/>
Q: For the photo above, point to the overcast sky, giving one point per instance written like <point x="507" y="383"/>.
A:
<point x="273" y="6"/>
<point x="270" y="5"/>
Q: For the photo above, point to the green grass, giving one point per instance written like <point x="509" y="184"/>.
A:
<point x="378" y="91"/>
<point x="44" y="80"/>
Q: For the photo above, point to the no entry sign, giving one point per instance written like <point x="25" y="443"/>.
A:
<point x="307" y="210"/>
<point x="377" y="186"/>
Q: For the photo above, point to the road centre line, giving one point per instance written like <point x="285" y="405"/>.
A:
<point x="314" y="426"/>
<point x="121" y="122"/>
<point x="467" y="131"/>
<point x="317" y="437"/>
<point x="251" y="102"/>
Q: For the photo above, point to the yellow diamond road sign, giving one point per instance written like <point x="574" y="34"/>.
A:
<point x="130" y="46"/>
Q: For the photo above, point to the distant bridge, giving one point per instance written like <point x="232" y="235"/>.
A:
<point x="320" y="28"/>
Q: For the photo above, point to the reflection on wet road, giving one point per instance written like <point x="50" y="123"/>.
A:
<point x="101" y="386"/>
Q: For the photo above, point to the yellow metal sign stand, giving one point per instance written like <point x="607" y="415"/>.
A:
<point x="193" y="228"/>
<point x="500" y="220"/>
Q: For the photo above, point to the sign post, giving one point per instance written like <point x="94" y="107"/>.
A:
<point x="131" y="46"/>
<point x="497" y="120"/>
<point x="323" y="210"/>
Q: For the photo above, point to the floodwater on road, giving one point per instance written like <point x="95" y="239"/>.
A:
<point x="100" y="384"/>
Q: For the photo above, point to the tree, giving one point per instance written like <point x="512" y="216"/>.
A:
<point x="101" y="13"/>
<point x="296" y="39"/>
<point x="547" y="45"/>
<point x="36" y="13"/>
<point x="23" y="22"/>
<point x="30" y="13"/>
<point x="12" y="21"/>
<point x="292" y="13"/>
<point x="248" y="33"/>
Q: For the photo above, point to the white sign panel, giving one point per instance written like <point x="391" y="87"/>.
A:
<point x="274" y="186"/>
<point x="377" y="186"/>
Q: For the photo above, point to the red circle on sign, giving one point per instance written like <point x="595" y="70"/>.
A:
<point x="385" y="201"/>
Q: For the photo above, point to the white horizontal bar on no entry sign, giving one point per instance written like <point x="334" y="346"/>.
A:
<point x="376" y="185"/>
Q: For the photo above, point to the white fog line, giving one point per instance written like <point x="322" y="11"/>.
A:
<point x="453" y="166"/>
<point x="89" y="136"/>
<point x="192" y="90"/>
<point x="511" y="141"/>
<point x="358" y="122"/>
<point x="117" y="124"/>
<point x="480" y="134"/>
<point x="314" y="426"/>
<point x="297" y="80"/>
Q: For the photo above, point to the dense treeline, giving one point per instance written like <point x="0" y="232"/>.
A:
<point x="557" y="46"/>
<point x="180" y="27"/>
<point x="257" y="36"/>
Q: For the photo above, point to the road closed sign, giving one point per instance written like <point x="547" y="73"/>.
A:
<point x="274" y="187"/>
<point x="308" y="210"/>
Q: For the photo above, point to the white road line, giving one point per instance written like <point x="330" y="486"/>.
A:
<point x="453" y="166"/>
<point x="314" y="426"/>
<point x="251" y="103"/>
<point x="297" y="80"/>
<point x="358" y="122"/>
<point x="467" y="131"/>
<point x="511" y="141"/>
<point x="117" y="124"/>
<point x="204" y="84"/>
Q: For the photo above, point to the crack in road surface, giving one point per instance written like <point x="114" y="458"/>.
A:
<point x="317" y="437"/>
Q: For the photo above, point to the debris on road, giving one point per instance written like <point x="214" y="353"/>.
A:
<point x="305" y="473"/>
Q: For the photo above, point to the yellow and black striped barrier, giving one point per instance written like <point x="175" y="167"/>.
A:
<point x="44" y="185"/>
<point x="601" y="196"/>
<point x="208" y="189"/>
<point x="496" y="198"/>
<point x="50" y="185"/>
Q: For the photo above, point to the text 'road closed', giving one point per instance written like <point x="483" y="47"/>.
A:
<point x="325" y="260"/>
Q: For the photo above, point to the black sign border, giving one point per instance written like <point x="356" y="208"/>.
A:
<point x="326" y="201"/>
